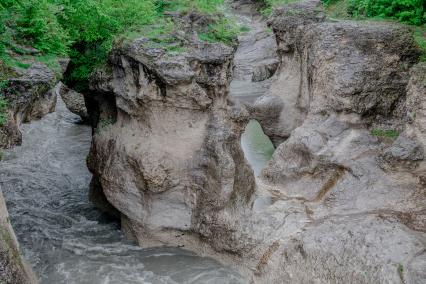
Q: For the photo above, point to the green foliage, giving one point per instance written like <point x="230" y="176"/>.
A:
<point x="420" y="38"/>
<point x="407" y="11"/>
<point x="3" y="103"/>
<point x="39" y="26"/>
<point x="203" y="6"/>
<point x="412" y="12"/>
<point x="385" y="133"/>
<point x="245" y="29"/>
<point x="92" y="26"/>
<point x="85" y="30"/>
<point x="104" y="123"/>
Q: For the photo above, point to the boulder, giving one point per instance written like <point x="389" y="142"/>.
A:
<point x="74" y="101"/>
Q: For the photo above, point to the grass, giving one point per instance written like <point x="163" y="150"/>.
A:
<point x="385" y="133"/>
<point x="201" y="6"/>
<point x="245" y="29"/>
<point x="223" y="30"/>
<point x="268" y="5"/>
<point x="401" y="273"/>
<point x="51" y="61"/>
<point x="85" y="30"/>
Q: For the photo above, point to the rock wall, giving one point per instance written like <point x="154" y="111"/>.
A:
<point x="353" y="191"/>
<point x="13" y="269"/>
<point x="165" y="148"/>
<point x="30" y="96"/>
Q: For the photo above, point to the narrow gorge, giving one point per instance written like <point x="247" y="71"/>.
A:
<point x="294" y="153"/>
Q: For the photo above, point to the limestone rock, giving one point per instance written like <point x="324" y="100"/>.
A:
<point x="74" y="101"/>
<point x="166" y="147"/>
<point x="362" y="222"/>
<point x="359" y="67"/>
<point x="166" y="152"/>
<point x="30" y="96"/>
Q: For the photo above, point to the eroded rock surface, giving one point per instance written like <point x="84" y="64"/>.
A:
<point x="166" y="146"/>
<point x="343" y="198"/>
<point x="355" y="200"/>
<point x="30" y="95"/>
<point x="74" y="101"/>
<point x="256" y="59"/>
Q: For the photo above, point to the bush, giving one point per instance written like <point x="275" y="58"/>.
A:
<point x="385" y="133"/>
<point x="85" y="29"/>
<point x="407" y="11"/>
<point x="38" y="25"/>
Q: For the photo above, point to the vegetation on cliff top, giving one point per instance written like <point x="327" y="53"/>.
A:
<point x="85" y="30"/>
<point x="410" y="12"/>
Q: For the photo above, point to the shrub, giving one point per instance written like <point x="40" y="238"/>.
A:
<point x="407" y="11"/>
<point x="39" y="26"/>
<point x="85" y="30"/>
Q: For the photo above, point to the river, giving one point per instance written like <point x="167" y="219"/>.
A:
<point x="66" y="240"/>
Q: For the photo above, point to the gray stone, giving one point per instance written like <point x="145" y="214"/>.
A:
<point x="30" y="97"/>
<point x="167" y="155"/>
<point x="166" y="148"/>
<point x="74" y="101"/>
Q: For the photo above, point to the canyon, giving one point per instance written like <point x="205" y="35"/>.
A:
<point x="336" y="191"/>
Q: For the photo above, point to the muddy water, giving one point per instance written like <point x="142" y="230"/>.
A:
<point x="67" y="240"/>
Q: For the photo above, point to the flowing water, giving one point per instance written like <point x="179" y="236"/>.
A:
<point x="45" y="183"/>
<point x="257" y="47"/>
